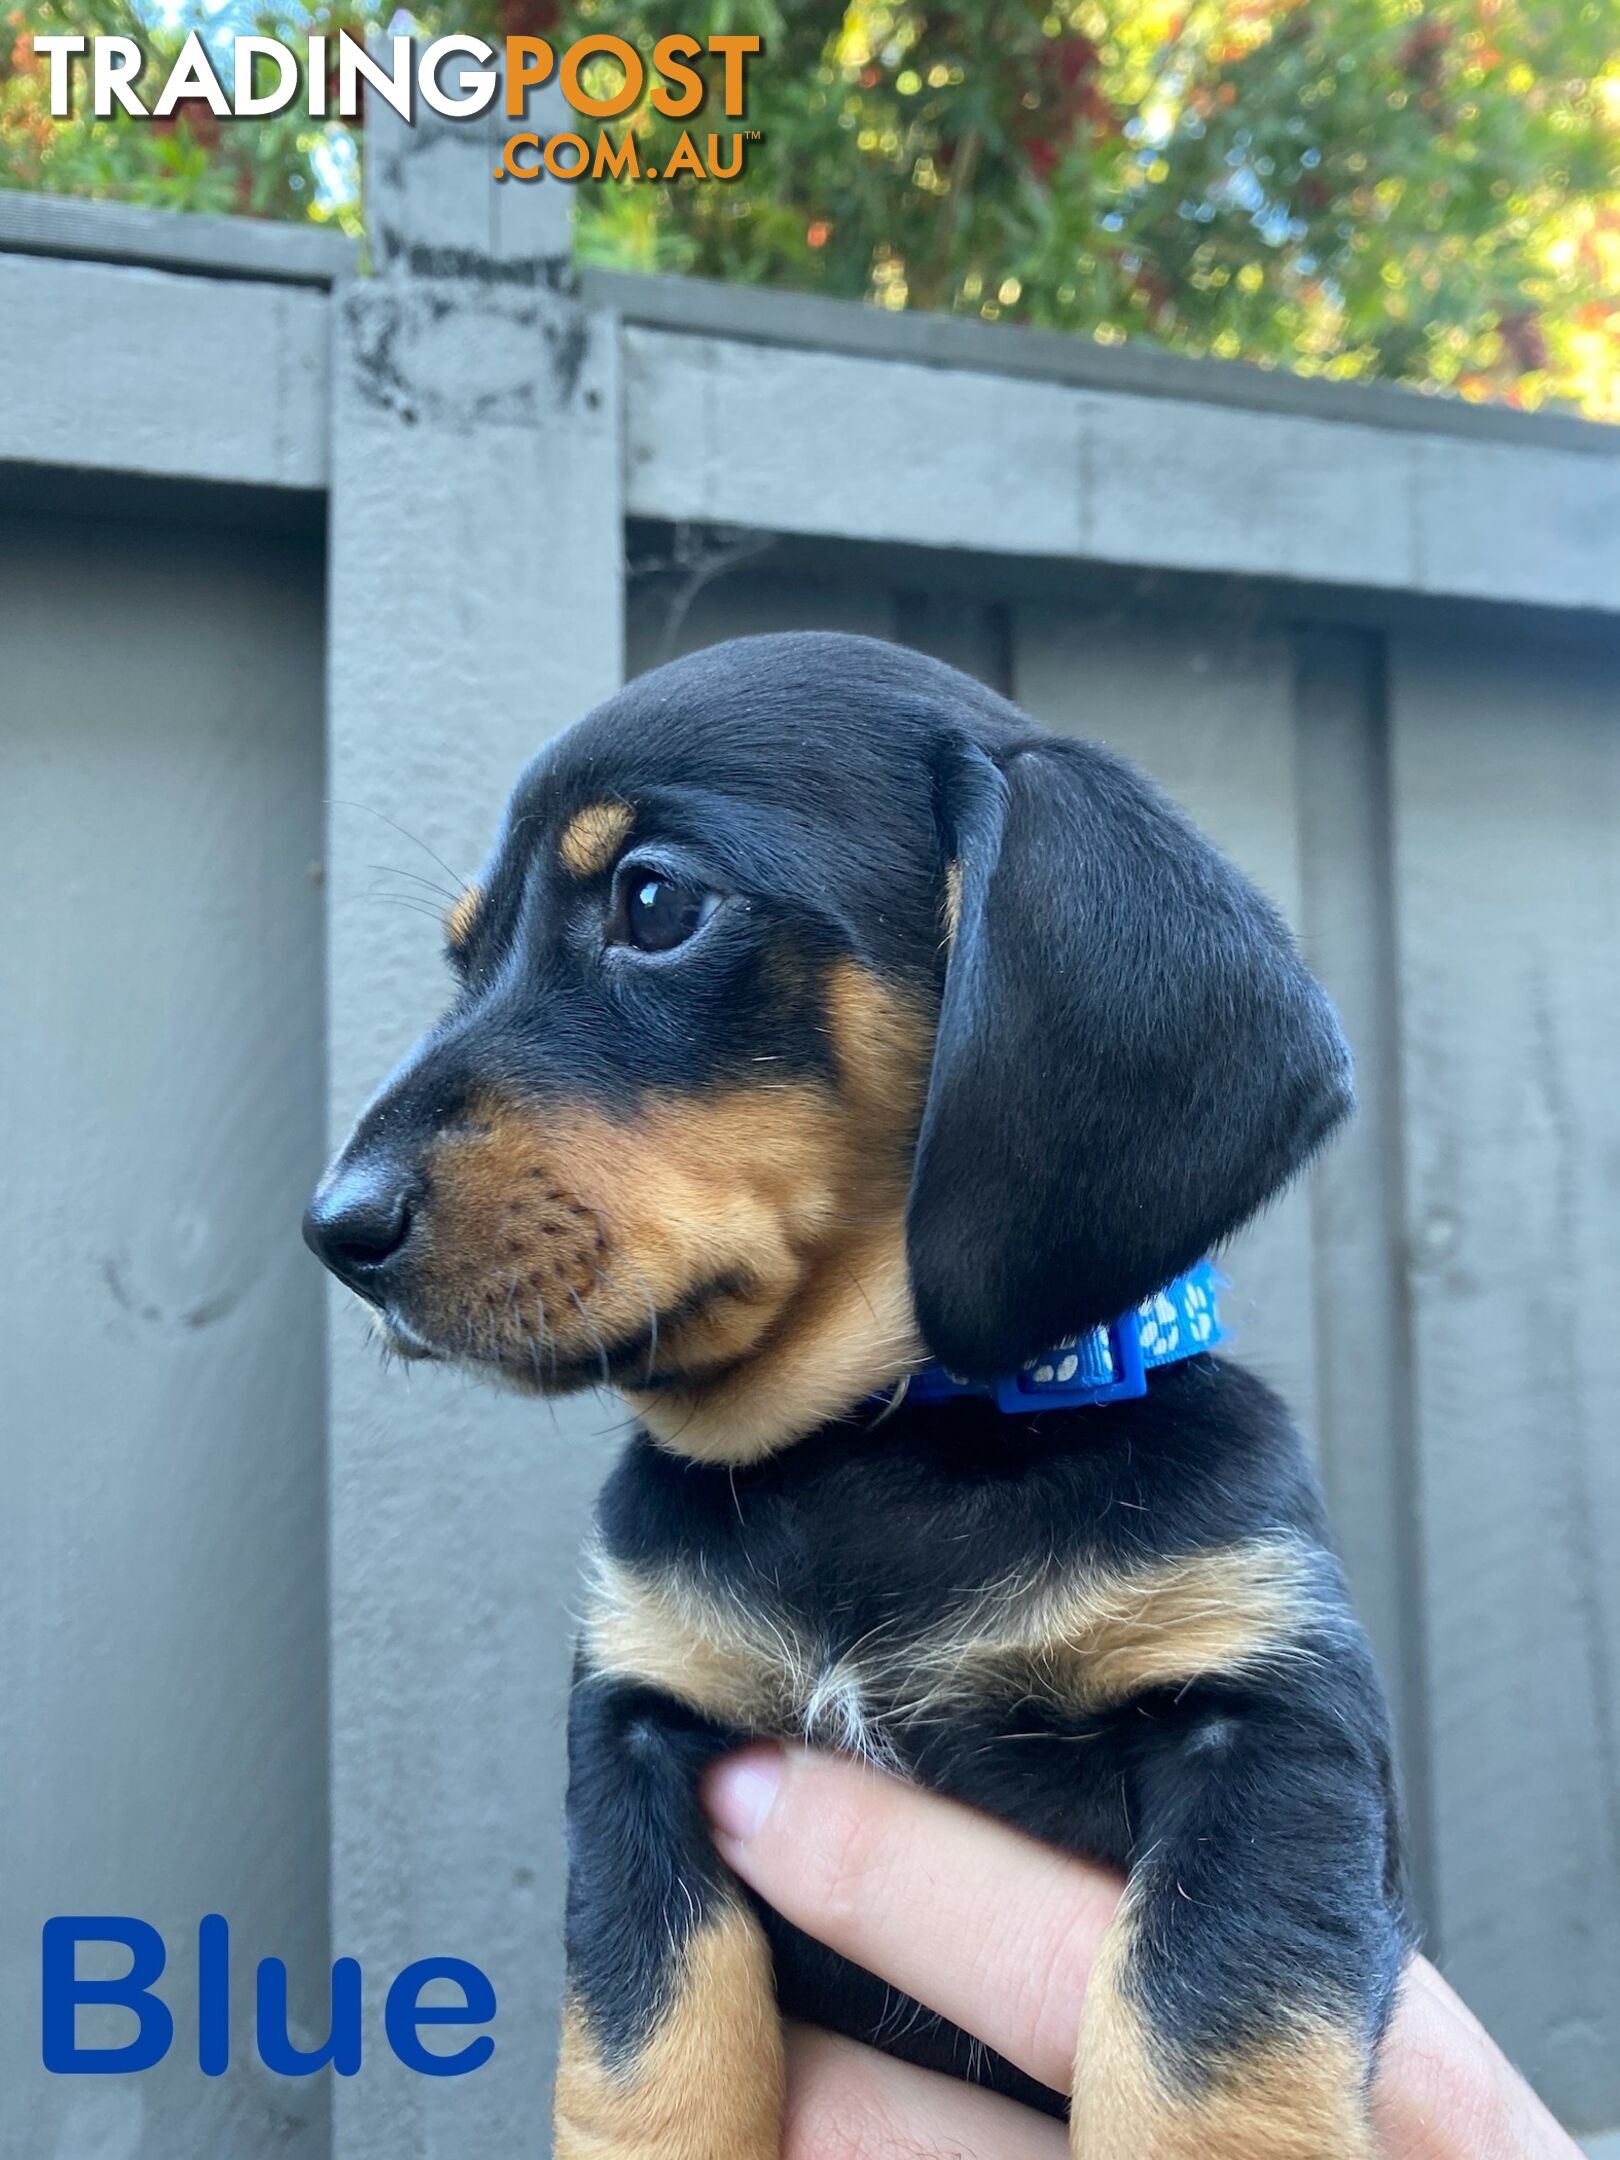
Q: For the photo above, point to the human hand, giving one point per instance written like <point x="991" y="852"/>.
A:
<point x="998" y="1933"/>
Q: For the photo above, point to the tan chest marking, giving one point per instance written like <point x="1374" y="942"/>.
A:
<point x="1081" y="1642"/>
<point x="1098" y="1637"/>
<point x="727" y="1662"/>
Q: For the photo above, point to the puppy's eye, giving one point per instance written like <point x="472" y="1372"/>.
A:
<point x="659" y="914"/>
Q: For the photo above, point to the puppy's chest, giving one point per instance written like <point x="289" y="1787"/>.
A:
<point x="866" y="1673"/>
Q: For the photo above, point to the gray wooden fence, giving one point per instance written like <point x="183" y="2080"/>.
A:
<point x="284" y="1636"/>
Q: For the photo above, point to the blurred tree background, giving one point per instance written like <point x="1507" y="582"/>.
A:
<point x="1427" y="194"/>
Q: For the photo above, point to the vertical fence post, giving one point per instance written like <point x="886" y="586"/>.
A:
<point x="476" y="605"/>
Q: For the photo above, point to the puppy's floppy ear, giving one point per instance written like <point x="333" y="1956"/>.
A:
<point x="1131" y="1056"/>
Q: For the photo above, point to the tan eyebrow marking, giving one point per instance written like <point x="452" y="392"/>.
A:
<point x="593" y="836"/>
<point x="463" y="914"/>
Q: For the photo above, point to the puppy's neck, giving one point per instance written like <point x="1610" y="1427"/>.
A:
<point x="852" y="1331"/>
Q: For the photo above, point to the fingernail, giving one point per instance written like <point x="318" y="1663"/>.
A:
<point x="738" y="1793"/>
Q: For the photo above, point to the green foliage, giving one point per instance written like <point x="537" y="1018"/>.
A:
<point x="282" y="167"/>
<point x="1373" y="188"/>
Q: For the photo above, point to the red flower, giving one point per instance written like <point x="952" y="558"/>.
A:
<point x="1071" y="100"/>
<point x="1072" y="59"/>
<point x="1421" y="54"/>
<point x="529" y="18"/>
<point x="1523" y="341"/>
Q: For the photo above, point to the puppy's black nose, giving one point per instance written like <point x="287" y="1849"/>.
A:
<point x="358" y="1221"/>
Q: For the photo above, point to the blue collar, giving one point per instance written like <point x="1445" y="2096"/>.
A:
<point x="1110" y="1364"/>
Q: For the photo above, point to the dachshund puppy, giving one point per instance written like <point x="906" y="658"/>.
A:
<point x="855" y="1076"/>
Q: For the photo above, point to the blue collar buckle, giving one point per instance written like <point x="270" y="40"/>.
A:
<point x="1106" y="1364"/>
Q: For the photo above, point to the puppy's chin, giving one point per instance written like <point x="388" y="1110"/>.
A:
<point x="709" y="1327"/>
<point x="737" y="1375"/>
<point x="396" y="1338"/>
<point x="849" y="1332"/>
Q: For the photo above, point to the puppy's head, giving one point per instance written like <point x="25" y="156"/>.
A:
<point x="817" y="1012"/>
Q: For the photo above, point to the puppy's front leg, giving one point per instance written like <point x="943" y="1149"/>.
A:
<point x="1239" y="1999"/>
<point x="672" y="2047"/>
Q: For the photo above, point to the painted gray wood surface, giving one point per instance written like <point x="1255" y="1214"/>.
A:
<point x="141" y="371"/>
<point x="765" y="316"/>
<point x="1362" y="1413"/>
<point x="253" y="250"/>
<point x="162" y="1409"/>
<point x="1506" y="818"/>
<point x="898" y="451"/>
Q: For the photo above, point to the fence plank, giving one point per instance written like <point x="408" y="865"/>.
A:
<point x="265" y="250"/>
<point x="162" y="1537"/>
<point x="703" y="588"/>
<point x="114" y="369"/>
<point x="1363" y="1399"/>
<point x="1506" y="803"/>
<point x="721" y="595"/>
<point x="819" y="442"/>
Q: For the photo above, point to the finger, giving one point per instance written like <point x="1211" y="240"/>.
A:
<point x="977" y="1921"/>
<point x="1445" y="2091"/>
<point x="998" y="1934"/>
<point x="852" y="2101"/>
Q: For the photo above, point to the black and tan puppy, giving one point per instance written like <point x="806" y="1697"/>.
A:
<point x="819" y="1015"/>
